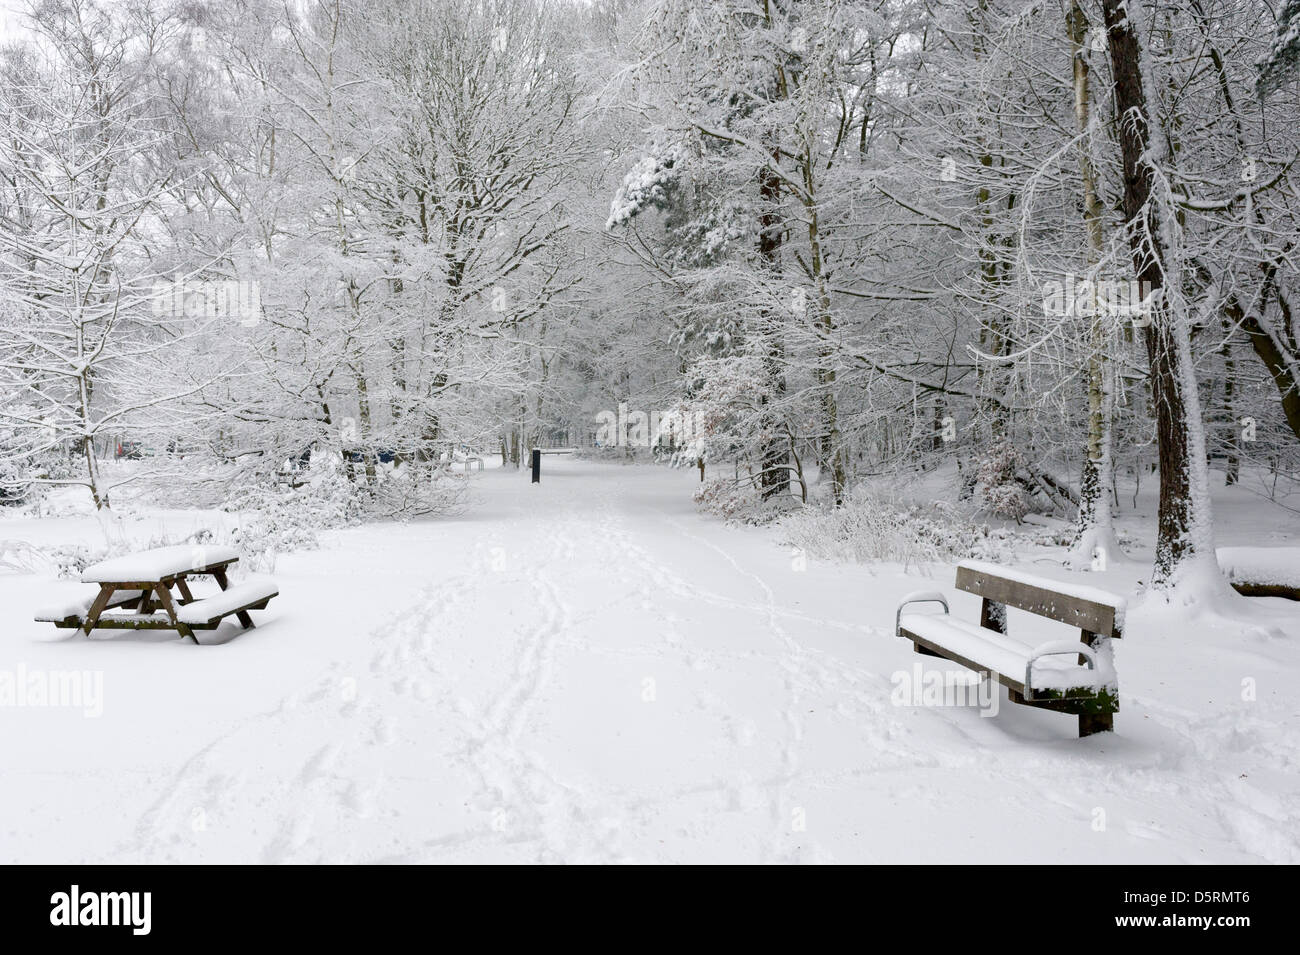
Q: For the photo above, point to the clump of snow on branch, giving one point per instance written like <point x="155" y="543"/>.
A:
<point x="648" y="183"/>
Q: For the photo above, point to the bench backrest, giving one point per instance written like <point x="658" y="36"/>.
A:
<point x="1082" y="607"/>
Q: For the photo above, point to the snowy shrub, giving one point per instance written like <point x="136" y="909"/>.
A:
<point x="275" y="519"/>
<point x="726" y="499"/>
<point x="413" y="490"/>
<point x="20" y="557"/>
<point x="623" y="455"/>
<point x="272" y="519"/>
<point x="67" y="561"/>
<point x="262" y="535"/>
<point x="1067" y="535"/>
<point x="20" y="467"/>
<point x="1001" y="491"/>
<point x="870" y="528"/>
<point x="740" y="502"/>
<point x="730" y="415"/>
<point x="14" y="489"/>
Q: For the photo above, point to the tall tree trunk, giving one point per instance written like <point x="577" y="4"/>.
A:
<point x="397" y="355"/>
<point x="543" y="379"/>
<point x="774" y="478"/>
<point x="994" y="409"/>
<point x="364" y="420"/>
<point x="1232" y="471"/>
<point x="1184" y="533"/>
<point x="85" y="389"/>
<point x="830" y="449"/>
<point x="1095" y="542"/>
<point x="431" y="430"/>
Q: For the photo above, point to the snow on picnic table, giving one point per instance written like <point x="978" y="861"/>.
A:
<point x="586" y="670"/>
<point x="157" y="563"/>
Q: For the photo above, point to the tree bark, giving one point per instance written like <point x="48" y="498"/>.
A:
<point x="1096" y="534"/>
<point x="1183" y="523"/>
<point x="774" y="478"/>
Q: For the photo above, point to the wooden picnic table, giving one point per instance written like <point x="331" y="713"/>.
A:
<point x="1262" y="571"/>
<point x="142" y="582"/>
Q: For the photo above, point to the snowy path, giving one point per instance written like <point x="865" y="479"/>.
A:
<point x="587" y="671"/>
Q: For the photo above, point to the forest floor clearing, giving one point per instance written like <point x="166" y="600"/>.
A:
<point x="588" y="670"/>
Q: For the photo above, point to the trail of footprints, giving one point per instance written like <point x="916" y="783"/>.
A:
<point x="303" y="804"/>
<point x="337" y="782"/>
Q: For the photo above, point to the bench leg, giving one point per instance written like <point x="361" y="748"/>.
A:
<point x="97" y="608"/>
<point x="244" y="619"/>
<point x="1090" y="723"/>
<point x="165" y="598"/>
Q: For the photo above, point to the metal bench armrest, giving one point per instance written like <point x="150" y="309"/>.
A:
<point x="1058" y="648"/>
<point x="918" y="597"/>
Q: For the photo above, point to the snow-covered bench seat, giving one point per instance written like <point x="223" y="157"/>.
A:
<point x="72" y="613"/>
<point x="253" y="594"/>
<point x="1062" y="675"/>
<point x="1262" y="571"/>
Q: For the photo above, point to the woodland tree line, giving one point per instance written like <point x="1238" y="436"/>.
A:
<point x="1043" y="244"/>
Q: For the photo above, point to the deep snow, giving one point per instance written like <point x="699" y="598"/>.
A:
<point x="586" y="670"/>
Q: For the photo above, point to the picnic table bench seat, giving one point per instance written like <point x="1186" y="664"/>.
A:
<point x="1072" y="677"/>
<point x="70" y="613"/>
<point x="253" y="594"/>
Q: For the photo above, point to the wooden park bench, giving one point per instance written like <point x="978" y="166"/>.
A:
<point x="1262" y="571"/>
<point x="1034" y="674"/>
<point x="135" y="593"/>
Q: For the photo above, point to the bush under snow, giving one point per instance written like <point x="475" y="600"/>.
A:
<point x="868" y="527"/>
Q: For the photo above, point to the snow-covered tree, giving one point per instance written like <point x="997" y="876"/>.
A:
<point x="85" y="351"/>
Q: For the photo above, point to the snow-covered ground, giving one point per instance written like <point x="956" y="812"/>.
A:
<point x="586" y="670"/>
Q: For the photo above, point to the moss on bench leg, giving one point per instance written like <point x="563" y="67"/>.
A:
<point x="1096" y="711"/>
<point x="1090" y="723"/>
<point x="1097" y="715"/>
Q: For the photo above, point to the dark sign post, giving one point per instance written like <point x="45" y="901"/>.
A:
<point x="537" y="466"/>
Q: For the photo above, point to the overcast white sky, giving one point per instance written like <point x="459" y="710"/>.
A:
<point x="7" y="16"/>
